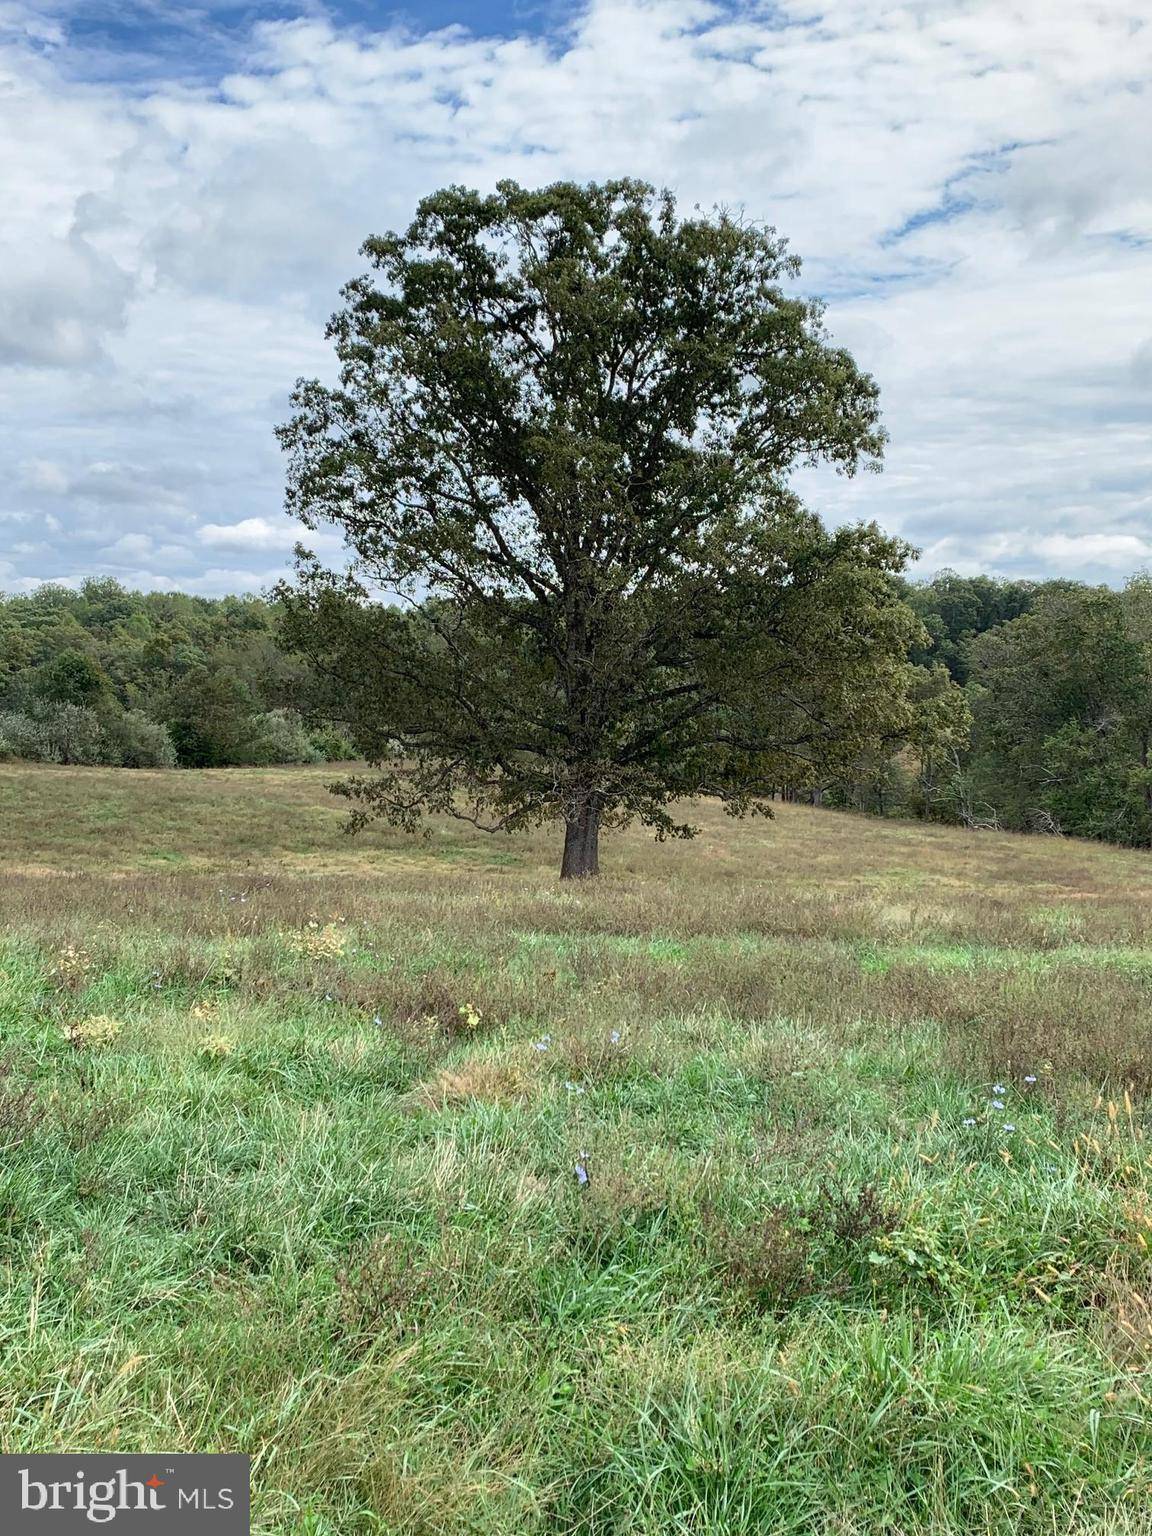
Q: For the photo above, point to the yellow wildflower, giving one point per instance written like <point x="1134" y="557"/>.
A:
<point x="93" y="1032"/>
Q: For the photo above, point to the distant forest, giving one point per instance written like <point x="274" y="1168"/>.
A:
<point x="1037" y="698"/>
<point x="153" y="680"/>
<point x="1057" y="687"/>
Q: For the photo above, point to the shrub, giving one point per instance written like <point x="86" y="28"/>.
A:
<point x="22" y="737"/>
<point x="69" y="734"/>
<point x="332" y="745"/>
<point x="280" y="737"/>
<point x="135" y="741"/>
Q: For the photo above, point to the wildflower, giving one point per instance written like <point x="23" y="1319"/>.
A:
<point x="471" y="1015"/>
<point x="614" y="1037"/>
<point x="316" y="943"/>
<point x="1030" y="1079"/>
<point x="216" y="1046"/>
<point x="73" y="964"/>
<point x="378" y="1021"/>
<point x="542" y="1044"/>
<point x="574" y="1087"/>
<point x="997" y="1103"/>
<point x="93" y="1032"/>
<point x="998" y="1089"/>
<point x="1008" y="1129"/>
<point x="969" y="1121"/>
<point x="581" y="1169"/>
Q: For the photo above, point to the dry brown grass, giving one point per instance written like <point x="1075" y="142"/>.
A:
<point x="1031" y="955"/>
<point x="485" y="1082"/>
<point x="243" y="822"/>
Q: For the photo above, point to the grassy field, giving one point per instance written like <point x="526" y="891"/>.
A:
<point x="793" y="1180"/>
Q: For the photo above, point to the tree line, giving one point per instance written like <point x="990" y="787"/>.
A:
<point x="1029" y="702"/>
<point x="152" y="680"/>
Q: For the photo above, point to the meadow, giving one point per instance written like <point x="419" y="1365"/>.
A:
<point x="790" y="1180"/>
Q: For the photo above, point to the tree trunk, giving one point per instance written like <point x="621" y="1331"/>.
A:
<point x="582" y="843"/>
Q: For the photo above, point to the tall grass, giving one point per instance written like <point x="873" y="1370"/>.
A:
<point x="793" y="1181"/>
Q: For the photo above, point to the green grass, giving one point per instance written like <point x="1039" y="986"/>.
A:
<point x="798" y="1291"/>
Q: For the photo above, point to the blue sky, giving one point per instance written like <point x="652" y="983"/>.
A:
<point x="138" y="40"/>
<point x="186" y="186"/>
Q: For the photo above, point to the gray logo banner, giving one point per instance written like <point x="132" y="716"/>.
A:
<point x="61" y="1495"/>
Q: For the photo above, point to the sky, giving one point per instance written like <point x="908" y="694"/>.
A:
<point x="185" y="187"/>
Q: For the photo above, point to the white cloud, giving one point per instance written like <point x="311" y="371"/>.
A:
<point x="59" y="303"/>
<point x="43" y="475"/>
<point x="1117" y="551"/>
<point x="968" y="182"/>
<point x="1105" y="554"/>
<point x="130" y="546"/>
<point x="114" y="483"/>
<point x="251" y="533"/>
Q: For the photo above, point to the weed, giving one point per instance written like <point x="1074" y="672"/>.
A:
<point x="852" y="1216"/>
<point x="766" y="1263"/>
<point x="384" y="1290"/>
<point x="93" y="1033"/>
<point x="216" y="1046"/>
<point x="21" y="1109"/>
<point x="84" y="1119"/>
<point x="316" y="942"/>
<point x="485" y="1081"/>
<point x="618" y="1208"/>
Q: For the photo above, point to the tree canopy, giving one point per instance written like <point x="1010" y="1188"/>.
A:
<point x="563" y="434"/>
<point x="1062" y="705"/>
<point x="104" y="675"/>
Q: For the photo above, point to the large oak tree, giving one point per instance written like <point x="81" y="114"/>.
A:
<point x="562" y="435"/>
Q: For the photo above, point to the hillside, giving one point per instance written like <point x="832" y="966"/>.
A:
<point x="794" y="1179"/>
